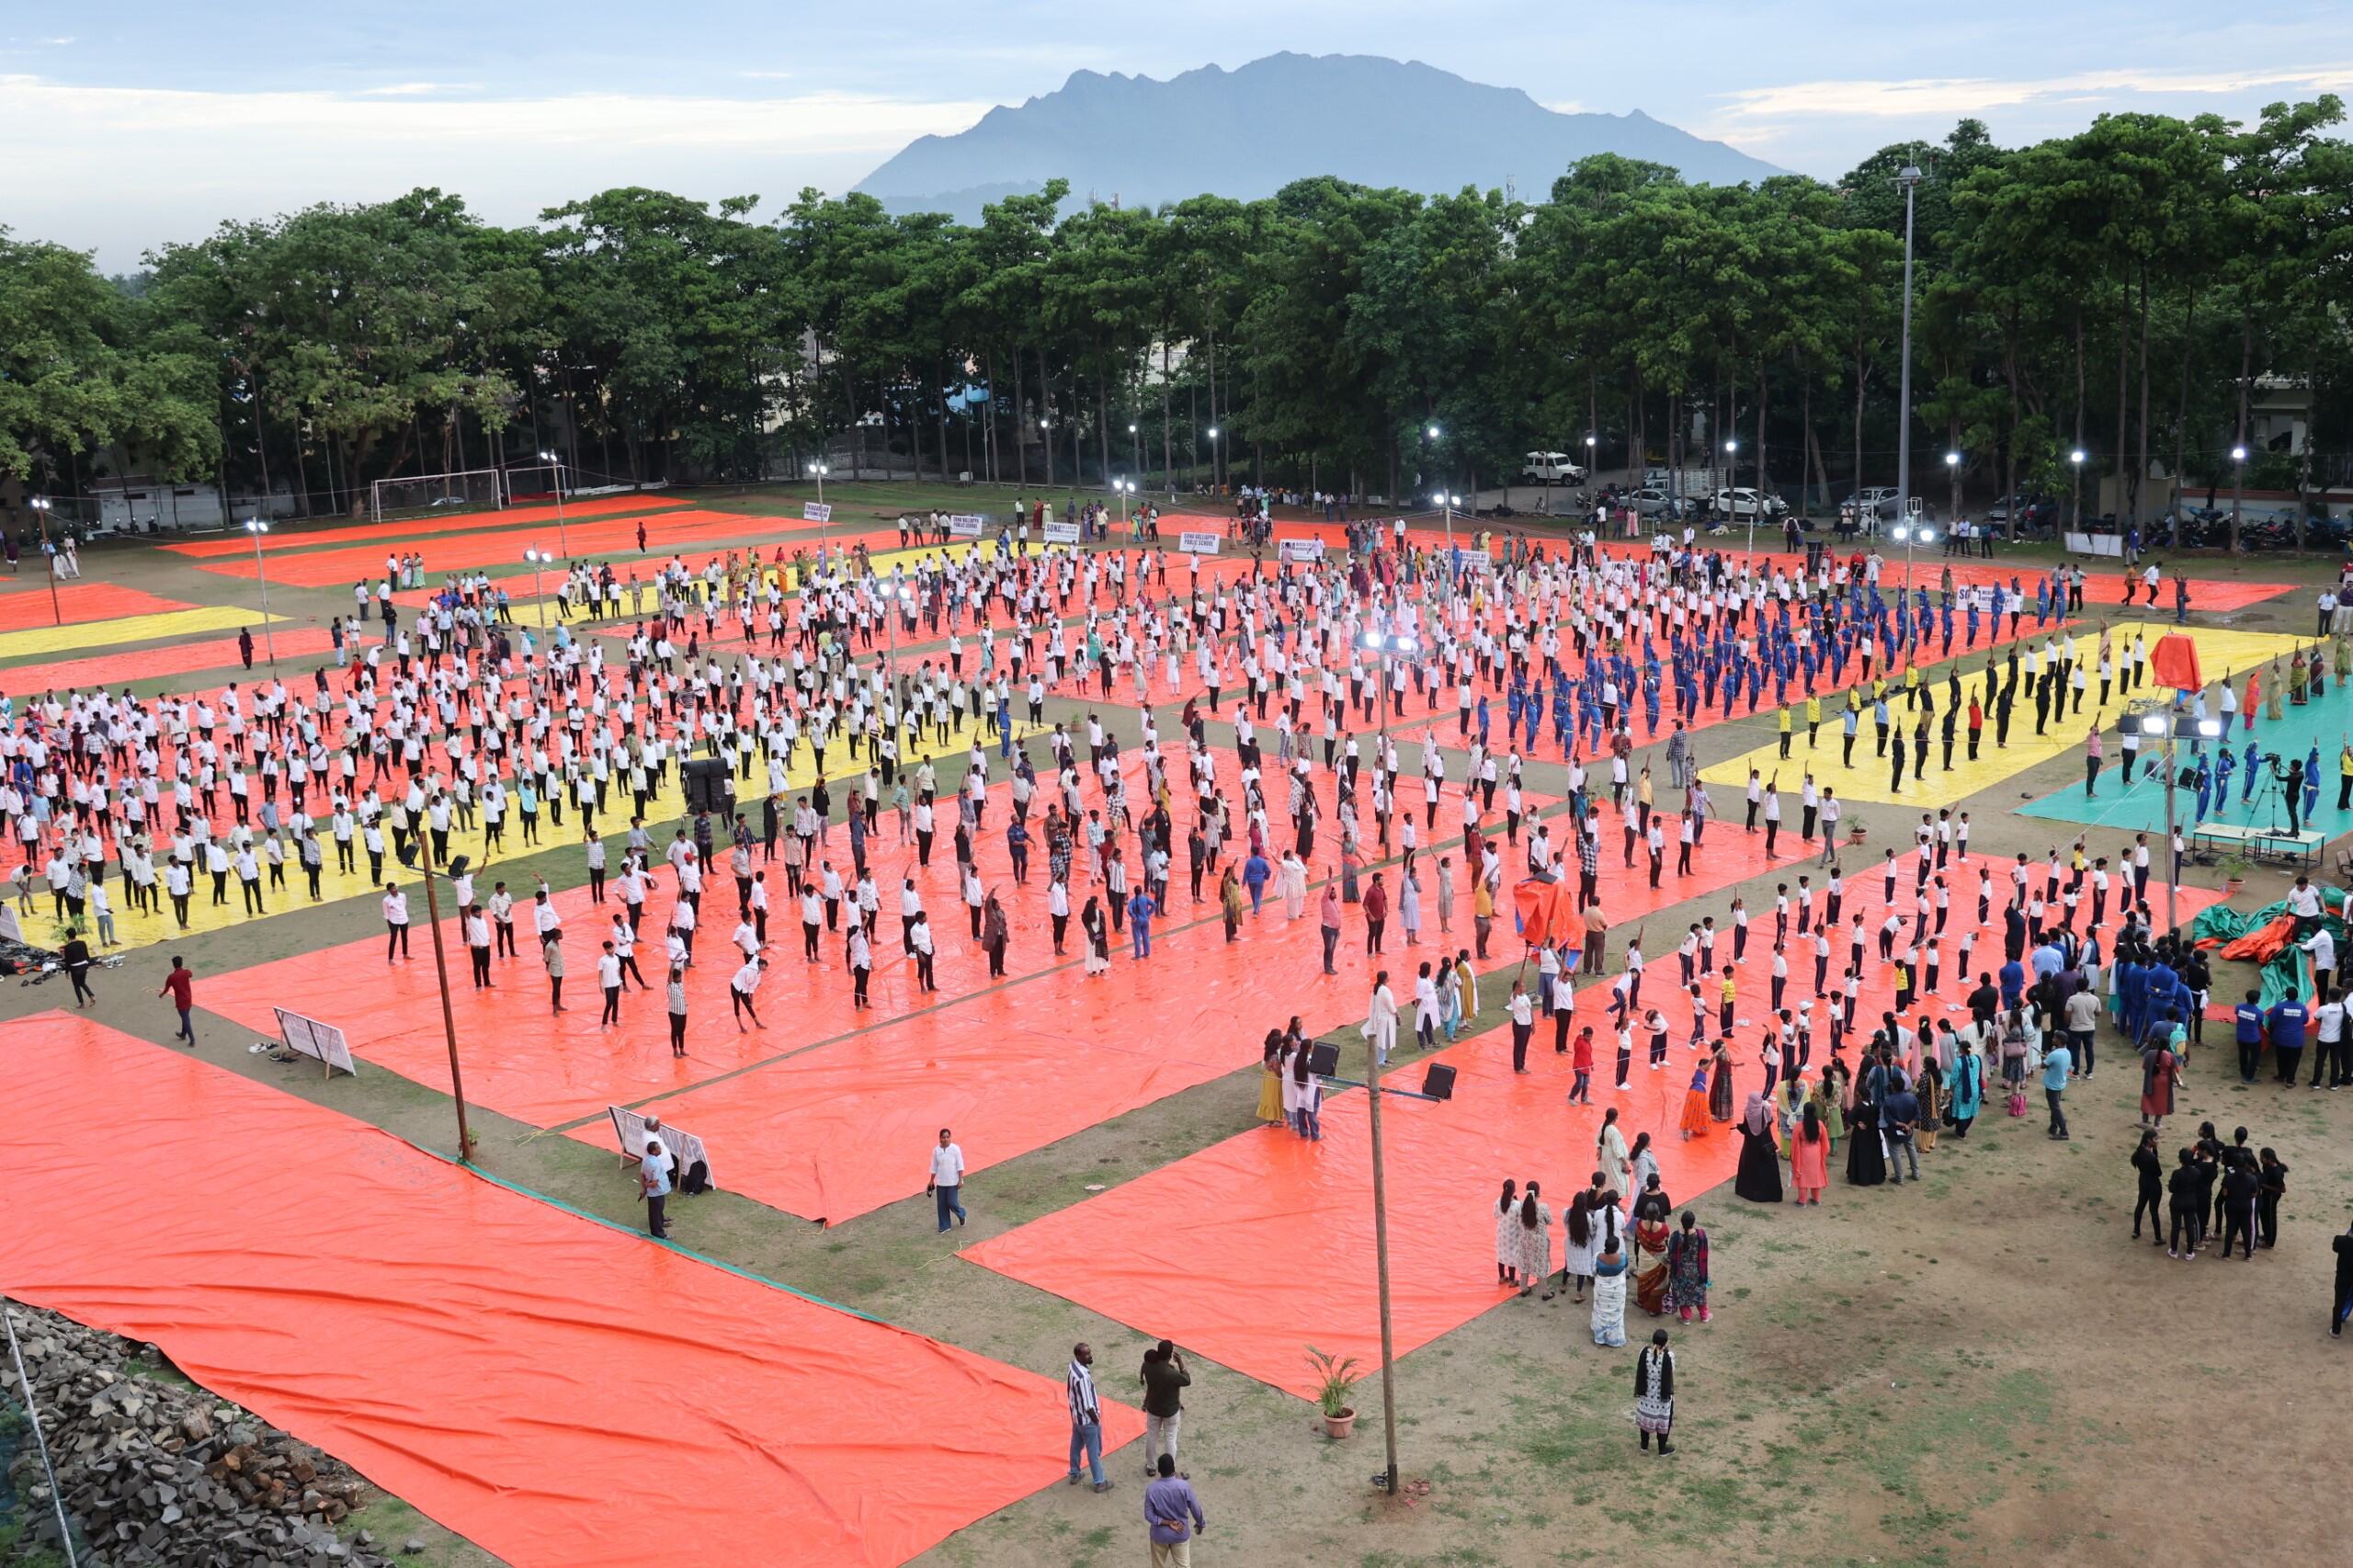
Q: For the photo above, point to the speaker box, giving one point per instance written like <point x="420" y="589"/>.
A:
<point x="710" y="786"/>
<point x="1324" y="1061"/>
<point x="1438" y="1082"/>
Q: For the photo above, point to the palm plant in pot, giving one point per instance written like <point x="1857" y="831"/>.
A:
<point x="1335" y="1377"/>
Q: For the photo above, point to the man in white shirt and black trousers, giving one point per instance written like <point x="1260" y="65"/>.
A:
<point x="947" y="1180"/>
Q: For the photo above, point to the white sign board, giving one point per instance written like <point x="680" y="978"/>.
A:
<point x="1062" y="533"/>
<point x="320" y="1042"/>
<point x="1307" y="551"/>
<point x="1477" y="561"/>
<point x="2096" y="544"/>
<point x="629" y="1128"/>
<point x="816" y="512"/>
<point x="966" y="525"/>
<point x="1193" y="543"/>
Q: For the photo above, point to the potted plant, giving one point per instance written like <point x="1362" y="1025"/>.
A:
<point x="1335" y="1377"/>
<point x="2233" y="868"/>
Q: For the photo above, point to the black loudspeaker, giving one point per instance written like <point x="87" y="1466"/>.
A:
<point x="1438" y="1082"/>
<point x="710" y="786"/>
<point x="1324" y="1061"/>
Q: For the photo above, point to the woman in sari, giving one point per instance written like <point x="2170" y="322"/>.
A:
<point x="1687" y="1268"/>
<point x="1719" y="1068"/>
<point x="1830" y="1097"/>
<point x="1274" y="1109"/>
<point x="1967" y="1086"/>
<point x="1788" y="1098"/>
<point x="1758" y="1178"/>
<point x="1609" y="1288"/>
<point x="1610" y="1154"/>
<point x="2160" y="1071"/>
<point x="1650" y="1263"/>
<point x="1931" y="1090"/>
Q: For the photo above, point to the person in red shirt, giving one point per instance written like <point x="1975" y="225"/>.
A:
<point x="1581" y="1064"/>
<point x="181" y="987"/>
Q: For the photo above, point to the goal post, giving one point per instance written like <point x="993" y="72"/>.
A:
<point x="536" y="481"/>
<point x="471" y="489"/>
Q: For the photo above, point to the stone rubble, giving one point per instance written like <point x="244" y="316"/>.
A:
<point x="161" y="1472"/>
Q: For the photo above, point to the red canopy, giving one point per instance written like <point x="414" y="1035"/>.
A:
<point x="2174" y="662"/>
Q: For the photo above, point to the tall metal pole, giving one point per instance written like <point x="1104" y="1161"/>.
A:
<point x="257" y="528"/>
<point x="1909" y="178"/>
<point x="441" y="974"/>
<point x="563" y="543"/>
<point x="2173" y="863"/>
<point x="40" y="506"/>
<point x="1379" y="1167"/>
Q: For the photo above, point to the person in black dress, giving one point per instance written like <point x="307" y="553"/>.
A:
<point x="1759" y="1175"/>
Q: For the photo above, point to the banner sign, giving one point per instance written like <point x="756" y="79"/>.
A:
<point x="1475" y="560"/>
<point x="1199" y="543"/>
<point x="966" y="525"/>
<point x="320" y="1042"/>
<point x="629" y="1128"/>
<point x="816" y="512"/>
<point x="1062" y="533"/>
<point x="1309" y="551"/>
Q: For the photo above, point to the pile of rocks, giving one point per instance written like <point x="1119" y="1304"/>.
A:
<point x="158" y="1472"/>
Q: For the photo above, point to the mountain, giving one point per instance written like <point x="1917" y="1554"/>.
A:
<point x="1248" y="133"/>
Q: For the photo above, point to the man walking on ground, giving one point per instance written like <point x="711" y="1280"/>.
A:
<point x="947" y="1181"/>
<point x="1175" y="1515"/>
<point x="1085" y="1413"/>
<point x="653" y="1185"/>
<point x="2056" y="1065"/>
<point x="1165" y="1381"/>
<point x="181" y="987"/>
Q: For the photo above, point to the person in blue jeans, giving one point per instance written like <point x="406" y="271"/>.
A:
<point x="1254" y="872"/>
<point x="947" y="1179"/>
<point x="1085" y="1416"/>
<point x="1139" y="913"/>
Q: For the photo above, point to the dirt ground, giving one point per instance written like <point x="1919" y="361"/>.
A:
<point x="1978" y="1368"/>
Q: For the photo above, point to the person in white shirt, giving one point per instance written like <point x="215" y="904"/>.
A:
<point x="544" y="919"/>
<point x="478" y="947"/>
<point x="740" y="990"/>
<point x="609" y="976"/>
<point x="395" y="922"/>
<point x="946" y="1184"/>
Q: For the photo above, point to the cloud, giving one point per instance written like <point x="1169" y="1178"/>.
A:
<point x="418" y="89"/>
<point x="121" y="169"/>
<point x="1930" y="99"/>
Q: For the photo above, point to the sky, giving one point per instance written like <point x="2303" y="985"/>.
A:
<point x="129" y="125"/>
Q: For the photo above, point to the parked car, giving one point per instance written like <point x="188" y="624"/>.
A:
<point x="1653" y="501"/>
<point x="1552" y="467"/>
<point x="1743" y="502"/>
<point x="1876" y="499"/>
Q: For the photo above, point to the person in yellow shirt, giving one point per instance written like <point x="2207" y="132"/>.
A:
<point x="2344" y="778"/>
<point x="1813" y="720"/>
<point x="1781" y="723"/>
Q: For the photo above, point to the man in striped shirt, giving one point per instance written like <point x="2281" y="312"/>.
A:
<point x="1085" y="1417"/>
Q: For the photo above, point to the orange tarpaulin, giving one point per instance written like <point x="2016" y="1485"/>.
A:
<point x="559" y="1390"/>
<point x="1539" y="908"/>
<point x="2174" y="662"/>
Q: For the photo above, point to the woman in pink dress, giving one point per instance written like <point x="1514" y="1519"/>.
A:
<point x="1809" y="1156"/>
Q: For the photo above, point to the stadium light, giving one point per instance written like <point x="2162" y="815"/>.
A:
<point x="562" y="539"/>
<point x="256" y="527"/>
<point x="539" y="559"/>
<point x="41" y="505"/>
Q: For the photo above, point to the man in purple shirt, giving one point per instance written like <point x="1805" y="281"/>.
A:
<point x="1175" y="1515"/>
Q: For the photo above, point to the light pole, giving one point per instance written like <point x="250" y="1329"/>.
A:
<point x="820" y="470"/>
<point x="1384" y="647"/>
<point x="561" y="542"/>
<point x="1908" y="534"/>
<point x="1952" y="472"/>
<point x="257" y="528"/>
<point x="1909" y="178"/>
<point x="40" y="506"/>
<point x="2161" y="725"/>
<point x="1731" y="487"/>
<point x="538" y="559"/>
<point x="2076" y="505"/>
<point x="1213" y="470"/>
<point x="1135" y="437"/>
<point x="2238" y="491"/>
<point x="418" y="855"/>
<point x="1046" y="439"/>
